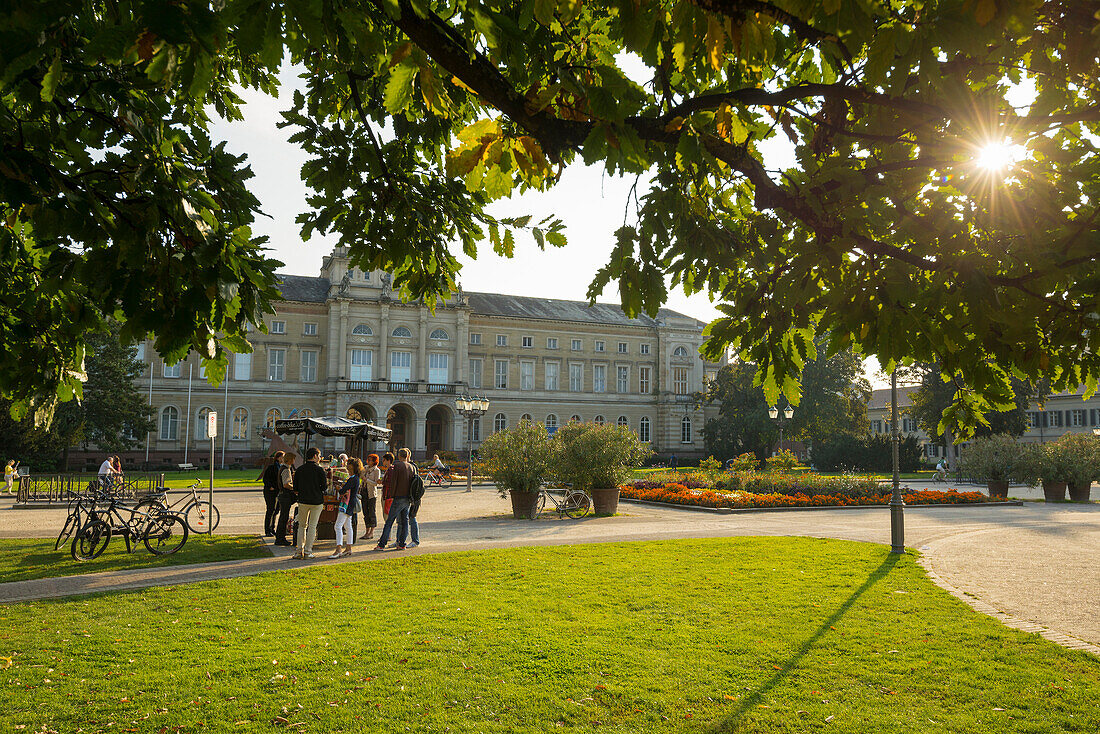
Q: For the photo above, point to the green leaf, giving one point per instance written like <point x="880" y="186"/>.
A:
<point x="51" y="78"/>
<point x="399" y="88"/>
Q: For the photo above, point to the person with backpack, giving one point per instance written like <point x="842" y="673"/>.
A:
<point x="416" y="494"/>
<point x="349" y="508"/>
<point x="311" y="482"/>
<point x="396" y="486"/>
<point x="271" y="493"/>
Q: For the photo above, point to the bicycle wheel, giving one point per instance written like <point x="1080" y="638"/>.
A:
<point x="91" y="541"/>
<point x="199" y="513"/>
<point x="540" y="505"/>
<point x="577" y="504"/>
<point x="444" y="480"/>
<point x="165" y="534"/>
<point x="70" y="527"/>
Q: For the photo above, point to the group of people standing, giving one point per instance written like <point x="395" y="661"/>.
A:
<point x="395" y="481"/>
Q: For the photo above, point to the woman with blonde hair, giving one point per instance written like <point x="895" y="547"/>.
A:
<point x="349" y="506"/>
<point x="369" y="494"/>
<point x="9" y="477"/>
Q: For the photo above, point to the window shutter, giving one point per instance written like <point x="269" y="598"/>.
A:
<point x="1046" y="422"/>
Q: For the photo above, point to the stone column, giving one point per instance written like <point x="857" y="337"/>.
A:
<point x="422" y="355"/>
<point x="342" y="370"/>
<point x="463" y="351"/>
<point x="383" y="352"/>
<point x="420" y="444"/>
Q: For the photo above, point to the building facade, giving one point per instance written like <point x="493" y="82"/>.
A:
<point x="342" y="344"/>
<point x="1058" y="414"/>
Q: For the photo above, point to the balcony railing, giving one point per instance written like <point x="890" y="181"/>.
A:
<point x="431" y="388"/>
<point x="437" y="388"/>
<point x="367" y="386"/>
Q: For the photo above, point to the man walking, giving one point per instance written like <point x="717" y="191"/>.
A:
<point x="271" y="493"/>
<point x="402" y="472"/>
<point x="311" y="482"/>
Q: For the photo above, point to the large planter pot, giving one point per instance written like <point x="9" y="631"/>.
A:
<point x="1080" y="492"/>
<point x="605" y="501"/>
<point x="998" y="489"/>
<point x="1054" y="491"/>
<point x="523" y="504"/>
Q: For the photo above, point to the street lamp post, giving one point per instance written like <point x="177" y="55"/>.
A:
<point x="897" y="504"/>
<point x="788" y="413"/>
<point x="471" y="407"/>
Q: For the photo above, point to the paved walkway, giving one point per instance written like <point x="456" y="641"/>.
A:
<point x="1036" y="567"/>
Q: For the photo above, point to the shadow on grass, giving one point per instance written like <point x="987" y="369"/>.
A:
<point x="731" y="722"/>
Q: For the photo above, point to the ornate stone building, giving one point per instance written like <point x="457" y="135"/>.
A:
<point x="342" y="344"/>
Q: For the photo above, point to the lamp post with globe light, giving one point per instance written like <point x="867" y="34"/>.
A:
<point x="788" y="413"/>
<point x="471" y="407"/>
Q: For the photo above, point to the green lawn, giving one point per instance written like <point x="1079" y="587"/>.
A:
<point x="744" y="634"/>
<point x="21" y="560"/>
<point x="223" y="478"/>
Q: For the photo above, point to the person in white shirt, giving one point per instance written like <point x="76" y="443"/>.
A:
<point x="106" y="472"/>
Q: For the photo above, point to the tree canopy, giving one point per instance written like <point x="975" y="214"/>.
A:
<point x="894" y="231"/>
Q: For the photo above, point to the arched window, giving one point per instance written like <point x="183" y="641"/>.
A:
<point x="575" y="419"/>
<point x="200" y="424"/>
<point x="643" y="430"/>
<point x="526" y="418"/>
<point x="685" y="430"/>
<point x="680" y="352"/>
<point x="402" y="331"/>
<point x="499" y="422"/>
<point x="240" y="423"/>
<point x="362" y="330"/>
<point x="169" y="424"/>
<point x="439" y="334"/>
<point x="272" y="415"/>
<point x="598" y="420"/>
<point x="305" y="413"/>
<point x="551" y="422"/>
<point x="623" y="422"/>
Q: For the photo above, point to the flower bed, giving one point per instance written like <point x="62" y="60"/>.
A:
<point x="678" y="494"/>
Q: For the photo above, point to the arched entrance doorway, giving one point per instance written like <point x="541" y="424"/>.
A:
<point x="400" y="420"/>
<point x="357" y="446"/>
<point x="438" y="429"/>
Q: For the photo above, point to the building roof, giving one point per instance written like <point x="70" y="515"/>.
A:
<point x="304" y="288"/>
<point x="880" y="398"/>
<point x="553" y="309"/>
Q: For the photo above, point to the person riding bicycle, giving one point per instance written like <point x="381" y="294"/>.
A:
<point x="438" y="466"/>
<point x="941" y="469"/>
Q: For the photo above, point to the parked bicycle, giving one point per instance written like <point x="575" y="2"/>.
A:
<point x="198" y="513"/>
<point x="94" y="519"/>
<point x="574" y="503"/>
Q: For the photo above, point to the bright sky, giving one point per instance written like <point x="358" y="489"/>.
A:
<point x="589" y="202"/>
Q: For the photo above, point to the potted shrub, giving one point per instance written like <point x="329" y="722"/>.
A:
<point x="1053" y="471"/>
<point x="597" y="459"/>
<point x="517" y="460"/>
<point x="1075" y="459"/>
<point x="998" y="460"/>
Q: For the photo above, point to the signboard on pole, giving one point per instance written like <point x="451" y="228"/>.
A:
<point x="212" y="424"/>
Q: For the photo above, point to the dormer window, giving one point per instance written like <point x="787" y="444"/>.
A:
<point x="362" y="330"/>
<point x="402" y="332"/>
<point x="439" y="334"/>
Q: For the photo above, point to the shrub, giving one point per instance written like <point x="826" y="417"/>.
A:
<point x="710" y="468"/>
<point x="782" y="461"/>
<point x="1073" y="458"/>
<point x="866" y="453"/>
<point x="744" y="462"/>
<point x="590" y="455"/>
<point x="517" y="458"/>
<point x="804" y="483"/>
<point x="1000" y="458"/>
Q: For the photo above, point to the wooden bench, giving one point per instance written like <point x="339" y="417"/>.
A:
<point x="187" y="467"/>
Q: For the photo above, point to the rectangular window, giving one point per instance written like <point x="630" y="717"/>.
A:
<point x="172" y="370"/>
<point x="1032" y="420"/>
<point x="202" y="373"/>
<point x="475" y="429"/>
<point x="599" y="378"/>
<point x="360" y="365"/>
<point x="1055" y="420"/>
<point x="552" y="375"/>
<point x="643" y="430"/>
<point x="400" y="366"/>
<point x="139" y="353"/>
<point x="551" y="342"/>
<point x="500" y="374"/>
<point x="622" y="379"/>
<point x="576" y="377"/>
<point x="680" y="380"/>
<point x="278" y="327"/>
<point x="309" y="367"/>
<point x="598" y="346"/>
<point x="575" y="345"/>
<point x="1077" y="418"/>
<point x="643" y="349"/>
<point x="622" y="347"/>
<point x="502" y="340"/>
<point x="526" y="375"/>
<point x="475" y="373"/>
<point x="309" y="329"/>
<point x="439" y="368"/>
<point x="242" y="366"/>
<point x="475" y="339"/>
<point x="643" y="380"/>
<point x="527" y="342"/>
<point x="276" y="365"/>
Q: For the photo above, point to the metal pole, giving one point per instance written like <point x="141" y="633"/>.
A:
<point x="225" y="420"/>
<point x="897" y="505"/>
<point x="156" y="425"/>
<point x="187" y="432"/>
<point x="469" y="453"/>
<point x="209" y="522"/>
